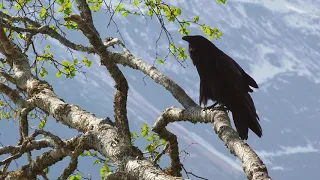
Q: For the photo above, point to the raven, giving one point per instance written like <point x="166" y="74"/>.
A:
<point x="222" y="80"/>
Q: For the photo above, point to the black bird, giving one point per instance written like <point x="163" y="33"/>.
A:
<point x="222" y="80"/>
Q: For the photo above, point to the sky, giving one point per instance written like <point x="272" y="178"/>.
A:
<point x="276" y="42"/>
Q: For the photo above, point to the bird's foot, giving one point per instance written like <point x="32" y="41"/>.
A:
<point x="213" y="107"/>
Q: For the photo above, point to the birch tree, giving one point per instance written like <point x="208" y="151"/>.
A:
<point x="27" y="93"/>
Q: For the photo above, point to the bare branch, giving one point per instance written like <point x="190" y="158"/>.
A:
<point x="33" y="145"/>
<point x="161" y="153"/>
<point x="59" y="142"/>
<point x="188" y="172"/>
<point x="175" y="167"/>
<point x="74" y="159"/>
<point x="136" y="63"/>
<point x="48" y="158"/>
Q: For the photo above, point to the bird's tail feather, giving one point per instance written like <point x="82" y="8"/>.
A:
<point x="245" y="116"/>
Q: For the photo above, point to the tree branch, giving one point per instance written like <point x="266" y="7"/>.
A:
<point x="8" y="77"/>
<point x="33" y="145"/>
<point x="175" y="167"/>
<point x="13" y="95"/>
<point x="86" y="25"/>
<point x="165" y="149"/>
<point x="49" y="158"/>
<point x="252" y="165"/>
<point x="42" y="30"/>
<point x="74" y="159"/>
<point x="136" y="63"/>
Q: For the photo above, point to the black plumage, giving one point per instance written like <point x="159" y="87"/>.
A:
<point x="224" y="81"/>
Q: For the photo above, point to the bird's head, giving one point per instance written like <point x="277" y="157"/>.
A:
<point x="194" y="39"/>
<point x="197" y="42"/>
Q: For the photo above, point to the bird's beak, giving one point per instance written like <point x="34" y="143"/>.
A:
<point x="186" y="38"/>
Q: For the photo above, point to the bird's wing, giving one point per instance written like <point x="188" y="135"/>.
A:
<point x="247" y="78"/>
<point x="234" y="73"/>
<point x="229" y="72"/>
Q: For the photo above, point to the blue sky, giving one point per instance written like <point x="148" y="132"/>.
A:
<point x="276" y="42"/>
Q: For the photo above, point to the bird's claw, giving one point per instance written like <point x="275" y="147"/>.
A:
<point x="213" y="107"/>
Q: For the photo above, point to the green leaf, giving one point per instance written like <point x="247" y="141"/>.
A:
<point x="88" y="153"/>
<point x="60" y="2"/>
<point x="22" y="36"/>
<point x="65" y="63"/>
<point x="61" y="9"/>
<point x="75" y="177"/>
<point x="196" y="19"/>
<point x="136" y="2"/>
<point x="43" y="13"/>
<point x="150" y="148"/>
<point x="98" y="161"/>
<point x="133" y="135"/>
<point x="43" y="122"/>
<point x="184" y="30"/>
<point x="59" y="74"/>
<point x="125" y="14"/>
<point x="160" y="61"/>
<point x="46" y="170"/>
<point x="150" y="12"/>
<point x="173" y="48"/>
<point x="32" y="115"/>
<point x="222" y="1"/>
<point x="151" y="138"/>
<point x="119" y="8"/>
<point x="2" y="6"/>
<point x="75" y="61"/>
<point x="178" y="11"/>
<point x="104" y="171"/>
<point x="87" y="62"/>
<point x="145" y="130"/>
<point x="43" y="72"/>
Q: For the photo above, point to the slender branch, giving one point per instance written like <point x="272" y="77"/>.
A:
<point x="165" y="149"/>
<point x="8" y="77"/>
<point x="188" y="172"/>
<point x="42" y="30"/>
<point x="59" y="142"/>
<point x="48" y="158"/>
<point x="33" y="145"/>
<point x="12" y="94"/>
